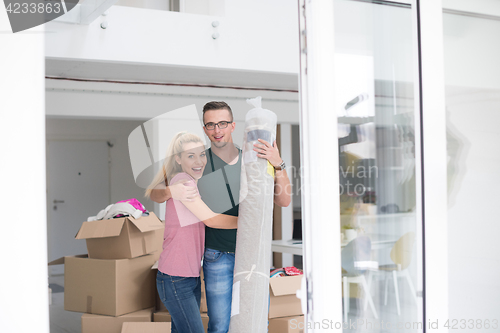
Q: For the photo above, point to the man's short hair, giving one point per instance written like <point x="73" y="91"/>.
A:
<point x="214" y="105"/>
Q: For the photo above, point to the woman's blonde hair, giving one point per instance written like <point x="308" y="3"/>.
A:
<point x="170" y="167"/>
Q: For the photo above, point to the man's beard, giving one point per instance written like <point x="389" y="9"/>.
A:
<point x="219" y="144"/>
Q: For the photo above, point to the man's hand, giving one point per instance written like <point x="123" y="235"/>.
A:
<point x="271" y="153"/>
<point x="183" y="190"/>
<point x="282" y="186"/>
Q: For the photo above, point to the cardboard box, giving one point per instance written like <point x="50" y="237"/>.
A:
<point x="92" y="323"/>
<point x="204" y="319"/>
<point x="122" y="238"/>
<point x="293" y="324"/>
<point x="159" y="304"/>
<point x="283" y="299"/>
<point x="203" y="302"/>
<point x="146" y="328"/>
<point x="109" y="287"/>
<point x="164" y="316"/>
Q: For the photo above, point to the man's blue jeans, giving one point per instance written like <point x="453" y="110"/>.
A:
<point x="218" y="269"/>
<point x="181" y="295"/>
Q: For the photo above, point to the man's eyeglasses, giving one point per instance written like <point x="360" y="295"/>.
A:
<point x="220" y="124"/>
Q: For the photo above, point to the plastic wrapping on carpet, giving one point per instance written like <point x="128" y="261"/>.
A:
<point x="249" y="311"/>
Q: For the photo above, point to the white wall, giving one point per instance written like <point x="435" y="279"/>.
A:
<point x="24" y="244"/>
<point x="473" y="118"/>
<point x="472" y="51"/>
<point x="254" y="35"/>
<point x="116" y="131"/>
<point x="471" y="62"/>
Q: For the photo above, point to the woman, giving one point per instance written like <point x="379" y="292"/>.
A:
<point x="178" y="280"/>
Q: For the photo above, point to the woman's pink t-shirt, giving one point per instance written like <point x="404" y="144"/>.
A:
<point x="184" y="237"/>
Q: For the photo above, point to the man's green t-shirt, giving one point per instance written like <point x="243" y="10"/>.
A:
<point x="220" y="190"/>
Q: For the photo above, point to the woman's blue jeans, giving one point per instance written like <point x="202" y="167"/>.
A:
<point x="181" y="295"/>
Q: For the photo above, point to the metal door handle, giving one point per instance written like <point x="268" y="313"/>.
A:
<point x="58" y="201"/>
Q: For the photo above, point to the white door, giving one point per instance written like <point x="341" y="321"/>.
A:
<point x="77" y="187"/>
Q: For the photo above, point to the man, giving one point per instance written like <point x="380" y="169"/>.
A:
<point x="219" y="189"/>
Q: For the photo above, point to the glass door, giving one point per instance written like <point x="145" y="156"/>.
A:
<point x="375" y="107"/>
<point x="365" y="249"/>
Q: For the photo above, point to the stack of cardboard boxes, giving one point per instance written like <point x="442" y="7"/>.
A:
<point x="285" y="312"/>
<point x="114" y="283"/>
